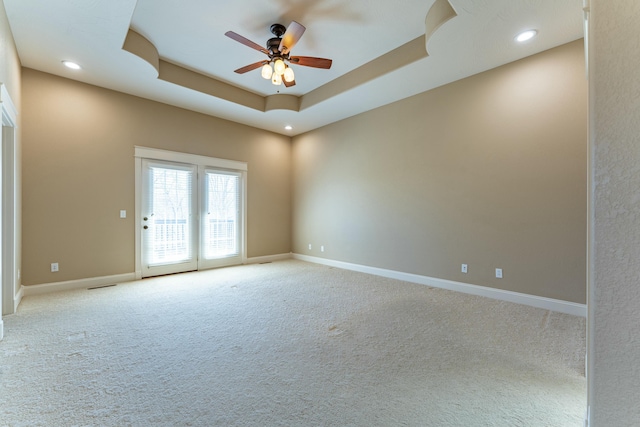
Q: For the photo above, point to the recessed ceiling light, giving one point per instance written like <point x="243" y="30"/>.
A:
<point x="288" y="127"/>
<point x="526" y="35"/>
<point x="71" y="64"/>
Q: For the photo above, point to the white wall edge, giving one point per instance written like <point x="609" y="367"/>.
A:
<point x="9" y="244"/>
<point x="9" y="112"/>
<point x="18" y="298"/>
<point x="268" y="258"/>
<point x="77" y="284"/>
<point x="1" y="329"/>
<point x="560" y="306"/>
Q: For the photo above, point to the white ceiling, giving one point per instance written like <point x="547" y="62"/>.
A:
<point x="190" y="33"/>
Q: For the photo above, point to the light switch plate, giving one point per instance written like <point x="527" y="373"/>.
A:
<point x="123" y="213"/>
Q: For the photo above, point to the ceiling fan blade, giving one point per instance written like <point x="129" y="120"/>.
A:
<point x="245" y="41"/>
<point x="250" y="67"/>
<point x="291" y="37"/>
<point x="289" y="84"/>
<point x="311" y="61"/>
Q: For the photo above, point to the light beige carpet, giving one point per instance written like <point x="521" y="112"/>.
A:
<point x="287" y="344"/>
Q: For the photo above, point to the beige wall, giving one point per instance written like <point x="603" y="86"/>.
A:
<point x="9" y="61"/>
<point x="78" y="173"/>
<point x="489" y="171"/>
<point x="614" y="294"/>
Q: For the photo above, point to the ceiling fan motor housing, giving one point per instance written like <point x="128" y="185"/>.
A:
<point x="273" y="45"/>
<point x="278" y="29"/>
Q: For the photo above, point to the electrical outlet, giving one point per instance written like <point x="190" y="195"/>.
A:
<point x="309" y="246"/>
<point x="54" y="267"/>
<point x="464" y="268"/>
<point x="499" y="273"/>
<point x="321" y="248"/>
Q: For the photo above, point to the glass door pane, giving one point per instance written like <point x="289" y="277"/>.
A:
<point x="168" y="225"/>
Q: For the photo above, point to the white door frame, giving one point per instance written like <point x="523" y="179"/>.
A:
<point x="9" y="270"/>
<point x="194" y="159"/>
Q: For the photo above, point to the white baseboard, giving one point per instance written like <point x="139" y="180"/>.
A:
<point x="118" y="278"/>
<point x="499" y="294"/>
<point x="77" y="284"/>
<point x="268" y="258"/>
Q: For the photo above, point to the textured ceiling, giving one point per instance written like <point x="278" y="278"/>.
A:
<point x="189" y="36"/>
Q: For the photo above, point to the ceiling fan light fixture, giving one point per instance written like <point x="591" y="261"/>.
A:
<point x="278" y="48"/>
<point x="279" y="66"/>
<point x="288" y="75"/>
<point x="267" y="72"/>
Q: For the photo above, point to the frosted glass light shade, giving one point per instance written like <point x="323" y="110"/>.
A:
<point x="276" y="79"/>
<point x="288" y="75"/>
<point x="279" y="66"/>
<point x="266" y="71"/>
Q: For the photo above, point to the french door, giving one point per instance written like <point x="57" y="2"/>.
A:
<point x="191" y="217"/>
<point x="220" y="218"/>
<point x="169" y="203"/>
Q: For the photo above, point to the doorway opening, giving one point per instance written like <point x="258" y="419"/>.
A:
<point x="9" y="264"/>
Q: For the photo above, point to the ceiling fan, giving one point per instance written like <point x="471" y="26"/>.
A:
<point x="277" y="49"/>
